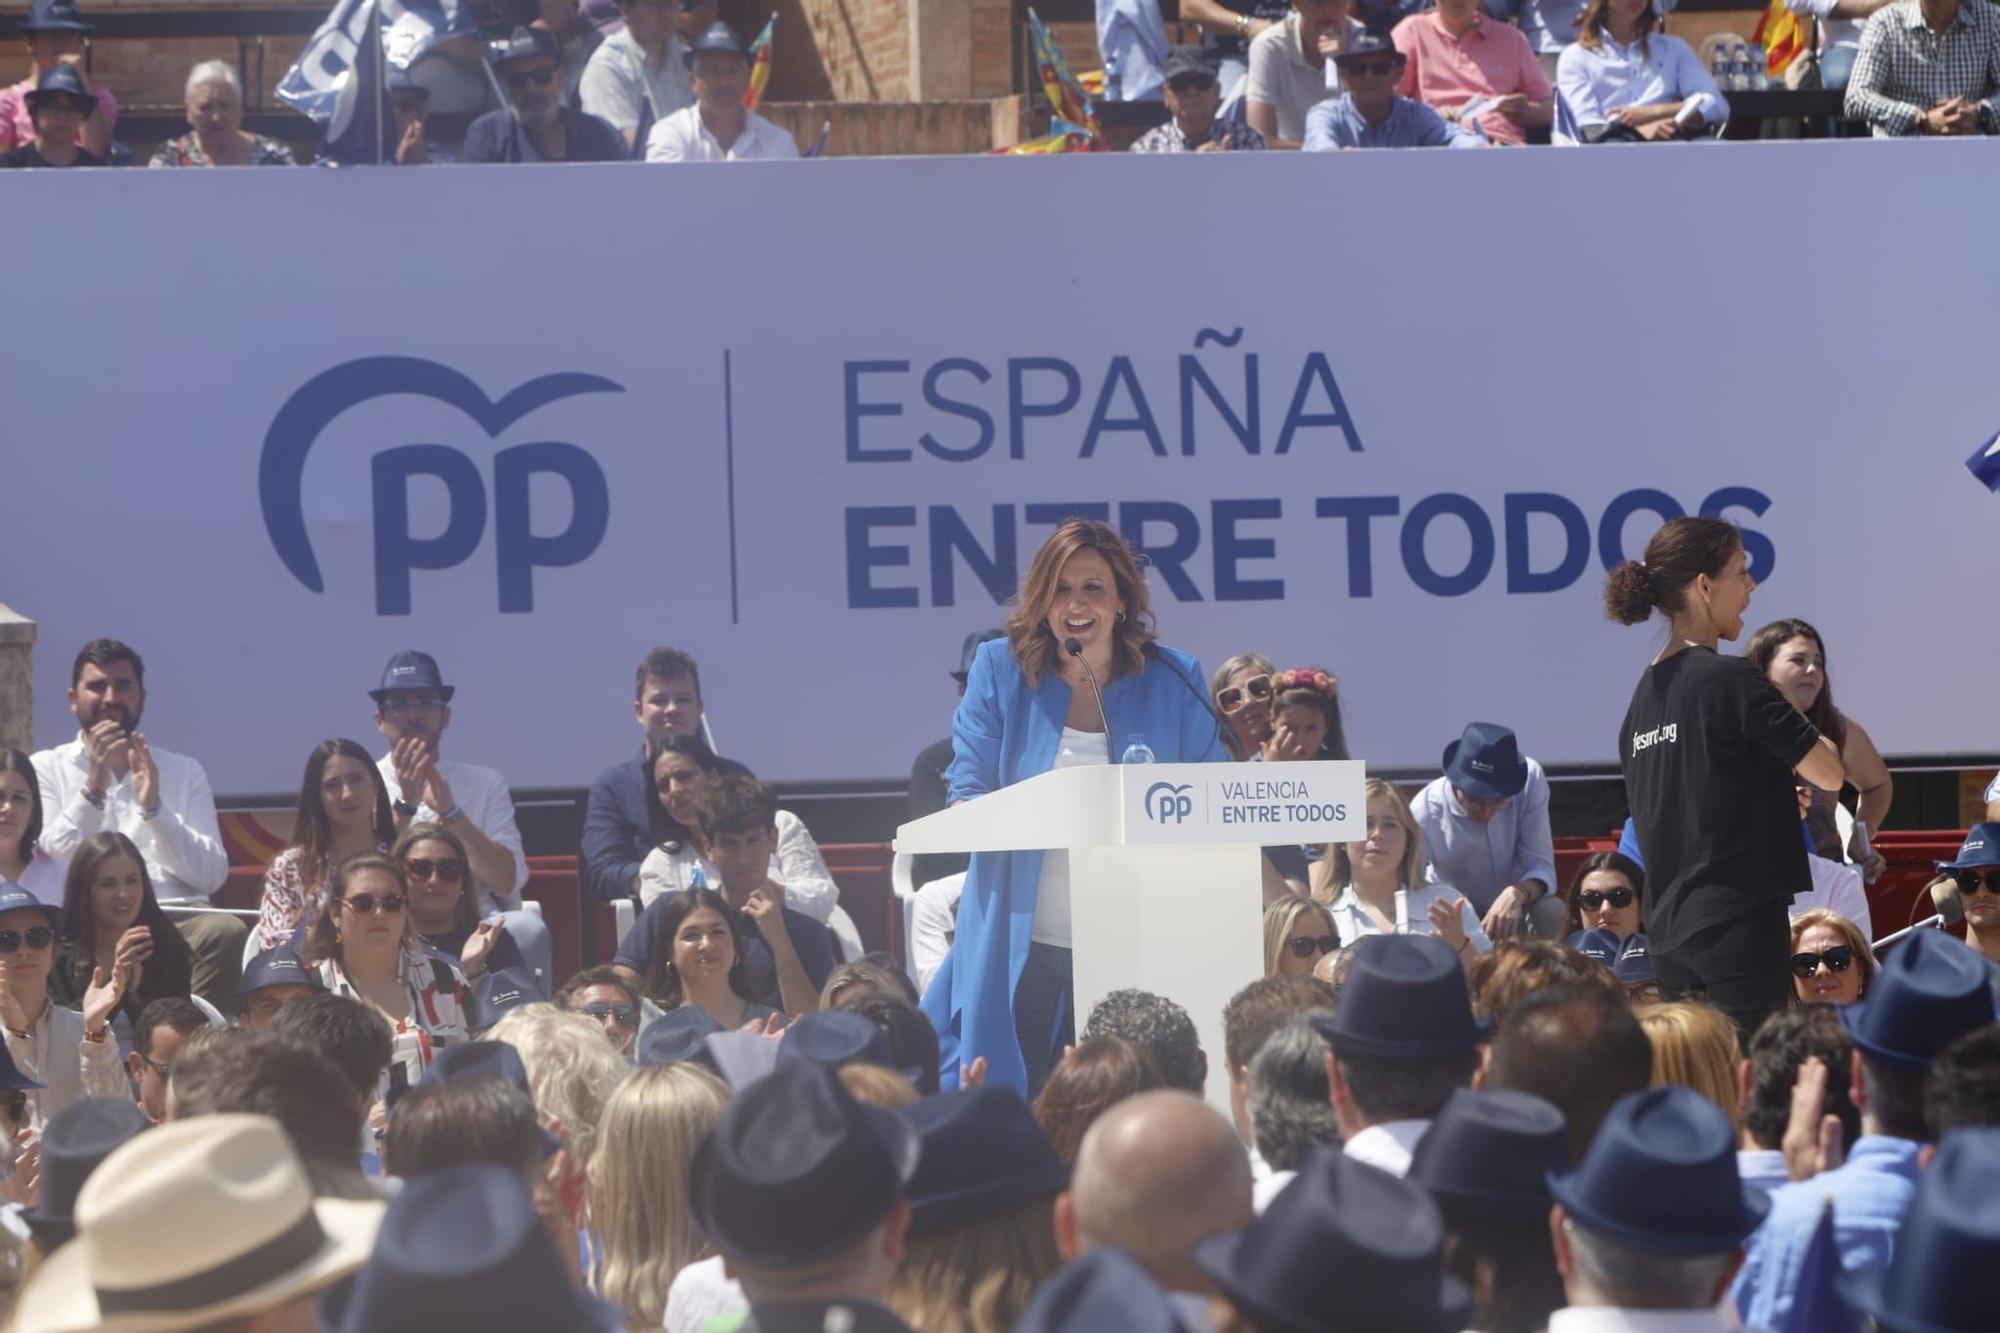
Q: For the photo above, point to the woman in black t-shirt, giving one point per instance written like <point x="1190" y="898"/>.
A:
<point x="1709" y="747"/>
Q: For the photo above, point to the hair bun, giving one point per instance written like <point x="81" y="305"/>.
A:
<point x="1628" y="593"/>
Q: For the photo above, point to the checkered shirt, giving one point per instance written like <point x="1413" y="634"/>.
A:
<point x="1904" y="68"/>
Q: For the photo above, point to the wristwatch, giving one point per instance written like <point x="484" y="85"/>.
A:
<point x="404" y="809"/>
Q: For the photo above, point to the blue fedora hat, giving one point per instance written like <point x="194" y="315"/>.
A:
<point x="973" y="642"/>
<point x="54" y="16"/>
<point x="1104" y="1291"/>
<point x="494" y="994"/>
<point x="277" y="966"/>
<point x="797" y="1171"/>
<point x="1661" y="1177"/>
<point x="1601" y="945"/>
<point x="1485" y="763"/>
<point x="75" y="1142"/>
<point x="1933" y="989"/>
<point x="717" y="37"/>
<point x="1491" y="1152"/>
<point x="1405" y="999"/>
<point x="61" y="80"/>
<point x="982" y="1152"/>
<point x="1952" y="1231"/>
<point x="1345" y="1248"/>
<point x="1981" y="848"/>
<point x="677" y="1035"/>
<point x="462" y="1247"/>
<point x="834" y="1037"/>
<point x="412" y="670"/>
<point x="14" y="898"/>
<point x="1635" y="963"/>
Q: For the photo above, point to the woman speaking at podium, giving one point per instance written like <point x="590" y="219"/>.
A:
<point x="1080" y="628"/>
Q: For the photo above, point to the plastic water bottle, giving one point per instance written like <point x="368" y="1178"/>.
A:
<point x="1718" y="68"/>
<point x="1136" y="750"/>
<point x="1739" y="68"/>
<point x="1760" y="69"/>
<point x="1114" y="80"/>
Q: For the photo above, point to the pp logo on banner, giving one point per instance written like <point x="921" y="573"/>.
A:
<point x="1166" y="803"/>
<point x="399" y="553"/>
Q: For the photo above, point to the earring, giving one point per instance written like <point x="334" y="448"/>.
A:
<point x="1121" y="618"/>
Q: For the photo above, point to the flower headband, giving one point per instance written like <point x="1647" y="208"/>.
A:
<point x="1307" y="678"/>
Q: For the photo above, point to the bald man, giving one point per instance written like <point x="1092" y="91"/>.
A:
<point x="1156" y="1173"/>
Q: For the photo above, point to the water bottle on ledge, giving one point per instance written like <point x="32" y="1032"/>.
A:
<point x="1136" y="750"/>
<point x="1114" y="79"/>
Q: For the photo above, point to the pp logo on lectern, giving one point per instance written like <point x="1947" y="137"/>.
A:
<point x="1166" y="803"/>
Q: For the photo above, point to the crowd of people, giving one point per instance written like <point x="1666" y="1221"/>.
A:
<point x="664" y="81"/>
<point x="1680" y="1091"/>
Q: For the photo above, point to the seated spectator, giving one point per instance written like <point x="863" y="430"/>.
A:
<point x="1779" y="1049"/>
<point x="1520" y="967"/>
<point x="1653" y="1219"/>
<point x="912" y="1043"/>
<point x="698" y="955"/>
<point x="1375" y="886"/>
<point x="1934" y="1279"/>
<point x="113" y="924"/>
<point x="1486" y="1163"/>
<point x="930" y="788"/>
<point x="1093" y="1076"/>
<point x="272" y="980"/>
<point x="1193" y="94"/>
<point x="59" y="105"/>
<point x="1160" y="1028"/>
<point x="23" y="863"/>
<point x="1457" y="57"/>
<point x="1831" y="960"/>
<point x="535" y="126"/>
<point x="718" y="127"/>
<point x="362" y="943"/>
<point x="1909" y="79"/>
<point x="241" y="1201"/>
<point x="1793" y="656"/>
<point x="70" y="1054"/>
<point x="638" y="75"/>
<point x="216" y="136"/>
<point x="681" y="768"/>
<point x="1963" y="1087"/>
<point x="1605" y="894"/>
<point x="54" y="33"/>
<point x="1369" y="114"/>
<point x="1695" y="1046"/>
<point x="606" y="998"/>
<point x="1976" y="872"/>
<point x="111" y="777"/>
<point x="1402" y="1038"/>
<point x="1625" y="82"/>
<point x="1289" y="72"/>
<point x="1291" y="1103"/>
<point x="1486" y="830"/>
<point x="351" y="1037"/>
<point x="1578" y="1047"/>
<point x="438" y="870"/>
<point x="1296" y="932"/>
<point x="343" y="809"/>
<point x="72" y="1147"/>
<point x="1248" y="1020"/>
<point x="1241" y="688"/>
<point x="411" y="103"/>
<point x="231" y="1071"/>
<point x="638" y="1185"/>
<point x="162" y="1028"/>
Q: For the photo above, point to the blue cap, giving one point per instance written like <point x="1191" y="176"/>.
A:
<point x="521" y="44"/>
<point x="61" y="80"/>
<point x="412" y="670"/>
<point x="1932" y="990"/>
<point x="973" y="642"/>
<point x="54" y="16"/>
<point x="1635" y="963"/>
<point x="1485" y="763"/>
<point x="1981" y="848"/>
<point x="717" y="37"/>
<point x="1601" y="945"/>
<point x="677" y="1035"/>
<point x="1371" y="44"/>
<point x="14" y="898"/>
<point x="834" y="1037"/>
<point x="276" y="967"/>
<point x="499" y="991"/>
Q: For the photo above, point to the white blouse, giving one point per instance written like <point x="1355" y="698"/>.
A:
<point x="1353" y="920"/>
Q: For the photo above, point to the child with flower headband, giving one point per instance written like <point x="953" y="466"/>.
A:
<point x="1305" y="716"/>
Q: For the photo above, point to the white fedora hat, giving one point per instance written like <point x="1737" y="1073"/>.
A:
<point x="198" y="1221"/>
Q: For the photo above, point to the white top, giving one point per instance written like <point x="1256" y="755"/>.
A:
<point x="1269" y="1187"/>
<point x="1076" y="749"/>
<point x="1832" y="31"/>
<point x="1596" y="83"/>
<point x="1353" y="921"/>
<point x="56" y="1054"/>
<point x="1765" y="1168"/>
<point x="1610" y="1319"/>
<point x="483" y="796"/>
<point x="683" y="137"/>
<point x="45" y="877"/>
<point x="1282" y="78"/>
<point x="699" y="1293"/>
<point x="182" y="844"/>
<point x="796" y="864"/>
<point x="1838" y="887"/>
<point x="1389" y="1145"/>
<point x="619" y="79"/>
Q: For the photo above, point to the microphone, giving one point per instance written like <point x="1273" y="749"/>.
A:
<point x="1074" y="647"/>
<point x="1951" y="911"/>
<point x="1151" y="651"/>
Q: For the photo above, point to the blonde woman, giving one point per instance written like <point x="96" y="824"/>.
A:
<point x="1296" y="932"/>
<point x="1359" y="883"/>
<point x="1831" y="960"/>
<point x="638" y="1200"/>
<point x="572" y="1071"/>
<point x="1695" y="1045"/>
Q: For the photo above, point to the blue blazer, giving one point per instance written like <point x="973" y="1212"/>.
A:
<point x="1005" y="731"/>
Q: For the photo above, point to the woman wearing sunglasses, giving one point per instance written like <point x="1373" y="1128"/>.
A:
<point x="112" y="923"/>
<point x="343" y="809"/>
<point x="1604" y="895"/>
<point x="1831" y="961"/>
<point x="1241" y="688"/>
<point x="70" y="1054"/>
<point x="436" y="869"/>
<point x="1296" y="932"/>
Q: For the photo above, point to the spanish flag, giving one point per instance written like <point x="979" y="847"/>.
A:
<point x="760" y="63"/>
<point x="1781" y="36"/>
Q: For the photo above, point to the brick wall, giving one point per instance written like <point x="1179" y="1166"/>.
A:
<point x="879" y="129"/>
<point x="862" y="46"/>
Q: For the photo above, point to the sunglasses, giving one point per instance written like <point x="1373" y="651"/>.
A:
<point x="36" y="937"/>
<point x="625" y="1014"/>
<point x="449" y="872"/>
<point x="1837" y="959"/>
<point x="164" y="1071"/>
<point x="1190" y="83"/>
<point x="538" y="78"/>
<point x="364" y="904"/>
<point x="1969" y="881"/>
<point x="1379" y="65"/>
<point x="1590" y="900"/>
<point x="1306" y="946"/>
<point x="1257" y="688"/>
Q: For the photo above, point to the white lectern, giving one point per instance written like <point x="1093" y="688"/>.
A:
<point x="1165" y="880"/>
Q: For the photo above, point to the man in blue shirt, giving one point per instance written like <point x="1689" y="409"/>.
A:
<point x="1370" y="115"/>
<point x="1486" y="831"/>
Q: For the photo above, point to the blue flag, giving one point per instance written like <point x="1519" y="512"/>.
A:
<point x="363" y="124"/>
<point x="1817" y="1307"/>
<point x="1985" y="464"/>
<point x="319" y="85"/>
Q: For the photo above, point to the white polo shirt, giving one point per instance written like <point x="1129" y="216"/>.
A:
<point x="682" y="137"/>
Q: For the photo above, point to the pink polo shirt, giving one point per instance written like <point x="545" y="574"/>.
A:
<point x="1491" y="60"/>
<point x="15" y="125"/>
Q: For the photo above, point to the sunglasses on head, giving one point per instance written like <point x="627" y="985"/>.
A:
<point x="539" y="78"/>
<point x="1970" y="881"/>
<point x="625" y="1014"/>
<point x="1308" y="946"/>
<point x="364" y="904"/>
<point x="1590" y="899"/>
<point x="1837" y="959"/>
<point x="450" y="872"/>
<point x="36" y="937"/>
<point x="1257" y="688"/>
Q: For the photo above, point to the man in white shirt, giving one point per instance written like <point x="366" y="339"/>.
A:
<point x="718" y="127"/>
<point x="644" y="62"/>
<point x="412" y="709"/>
<point x="1403" y="1038"/>
<point x="110" y="778"/>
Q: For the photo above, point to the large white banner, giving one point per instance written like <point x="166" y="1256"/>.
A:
<point x="1388" y="413"/>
